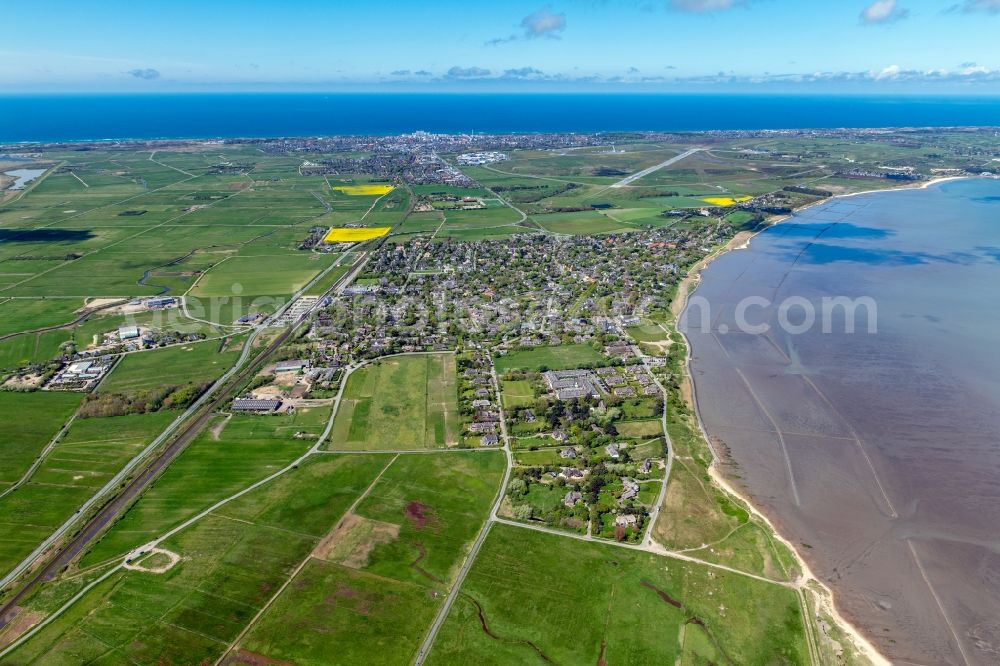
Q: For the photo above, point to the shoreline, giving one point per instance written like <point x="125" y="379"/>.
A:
<point x="49" y="142"/>
<point x="808" y="582"/>
<point x="743" y="238"/>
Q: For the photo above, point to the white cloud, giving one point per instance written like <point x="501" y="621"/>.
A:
<point x="972" y="6"/>
<point x="543" y="23"/>
<point x="523" y="73"/>
<point x="147" y="74"/>
<point x="457" y="72"/>
<point x="889" y="75"/>
<point x="890" y="72"/>
<point x="967" y="76"/>
<point x="883" y="11"/>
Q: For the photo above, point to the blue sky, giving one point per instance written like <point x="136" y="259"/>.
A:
<point x="917" y="46"/>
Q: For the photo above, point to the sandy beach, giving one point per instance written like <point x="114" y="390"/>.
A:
<point x="822" y="594"/>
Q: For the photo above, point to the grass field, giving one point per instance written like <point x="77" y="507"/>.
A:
<point x="359" y="617"/>
<point x="28" y="314"/>
<point x="31" y="348"/>
<point x="538" y="598"/>
<point x="330" y="279"/>
<point x="29" y="421"/>
<point x="553" y="358"/>
<point x="517" y="393"/>
<point x="83" y="461"/>
<point x="549" y="456"/>
<point x="640" y="429"/>
<point x="583" y="223"/>
<point x="195" y="363"/>
<point x="231" y="454"/>
<point x="375" y="608"/>
<point x="260" y="275"/>
<point x="233" y="561"/>
<point x="402" y="402"/>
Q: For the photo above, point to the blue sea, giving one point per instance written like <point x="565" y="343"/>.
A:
<point x="877" y="450"/>
<point x="79" y="117"/>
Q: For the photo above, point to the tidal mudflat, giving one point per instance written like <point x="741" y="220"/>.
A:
<point x="877" y="452"/>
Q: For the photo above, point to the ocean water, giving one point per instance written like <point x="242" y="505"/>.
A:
<point x="77" y="117"/>
<point x="878" y="451"/>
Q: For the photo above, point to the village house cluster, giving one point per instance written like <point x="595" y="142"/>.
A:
<point x="523" y="291"/>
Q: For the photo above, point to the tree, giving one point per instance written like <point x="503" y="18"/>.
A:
<point x="517" y="487"/>
<point x="523" y="512"/>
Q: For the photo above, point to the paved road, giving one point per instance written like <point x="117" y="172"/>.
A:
<point x="669" y="464"/>
<point x="6" y="613"/>
<point x="655" y="549"/>
<point x="214" y="397"/>
<point x="432" y="633"/>
<point x="645" y="172"/>
<point x="105" y="515"/>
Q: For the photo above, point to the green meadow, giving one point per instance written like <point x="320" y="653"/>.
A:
<point x="30" y="420"/>
<point x="534" y="598"/>
<point x="376" y="608"/>
<point x="171" y="366"/>
<point x="234" y="452"/>
<point x="80" y="464"/>
<point x="552" y="358"/>
<point x="232" y="562"/>
<point x="400" y="402"/>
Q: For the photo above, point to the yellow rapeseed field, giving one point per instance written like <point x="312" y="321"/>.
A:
<point x="725" y="201"/>
<point x="364" y="190"/>
<point x="354" y="234"/>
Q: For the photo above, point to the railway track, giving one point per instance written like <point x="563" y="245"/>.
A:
<point x="137" y="484"/>
<point x="62" y="556"/>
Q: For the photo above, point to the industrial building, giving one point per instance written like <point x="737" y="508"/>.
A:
<point x="255" y="406"/>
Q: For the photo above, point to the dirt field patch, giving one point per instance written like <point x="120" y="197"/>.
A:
<point x="219" y="426"/>
<point x="353" y="539"/>
<point x="22" y="622"/>
<point x="157" y="560"/>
